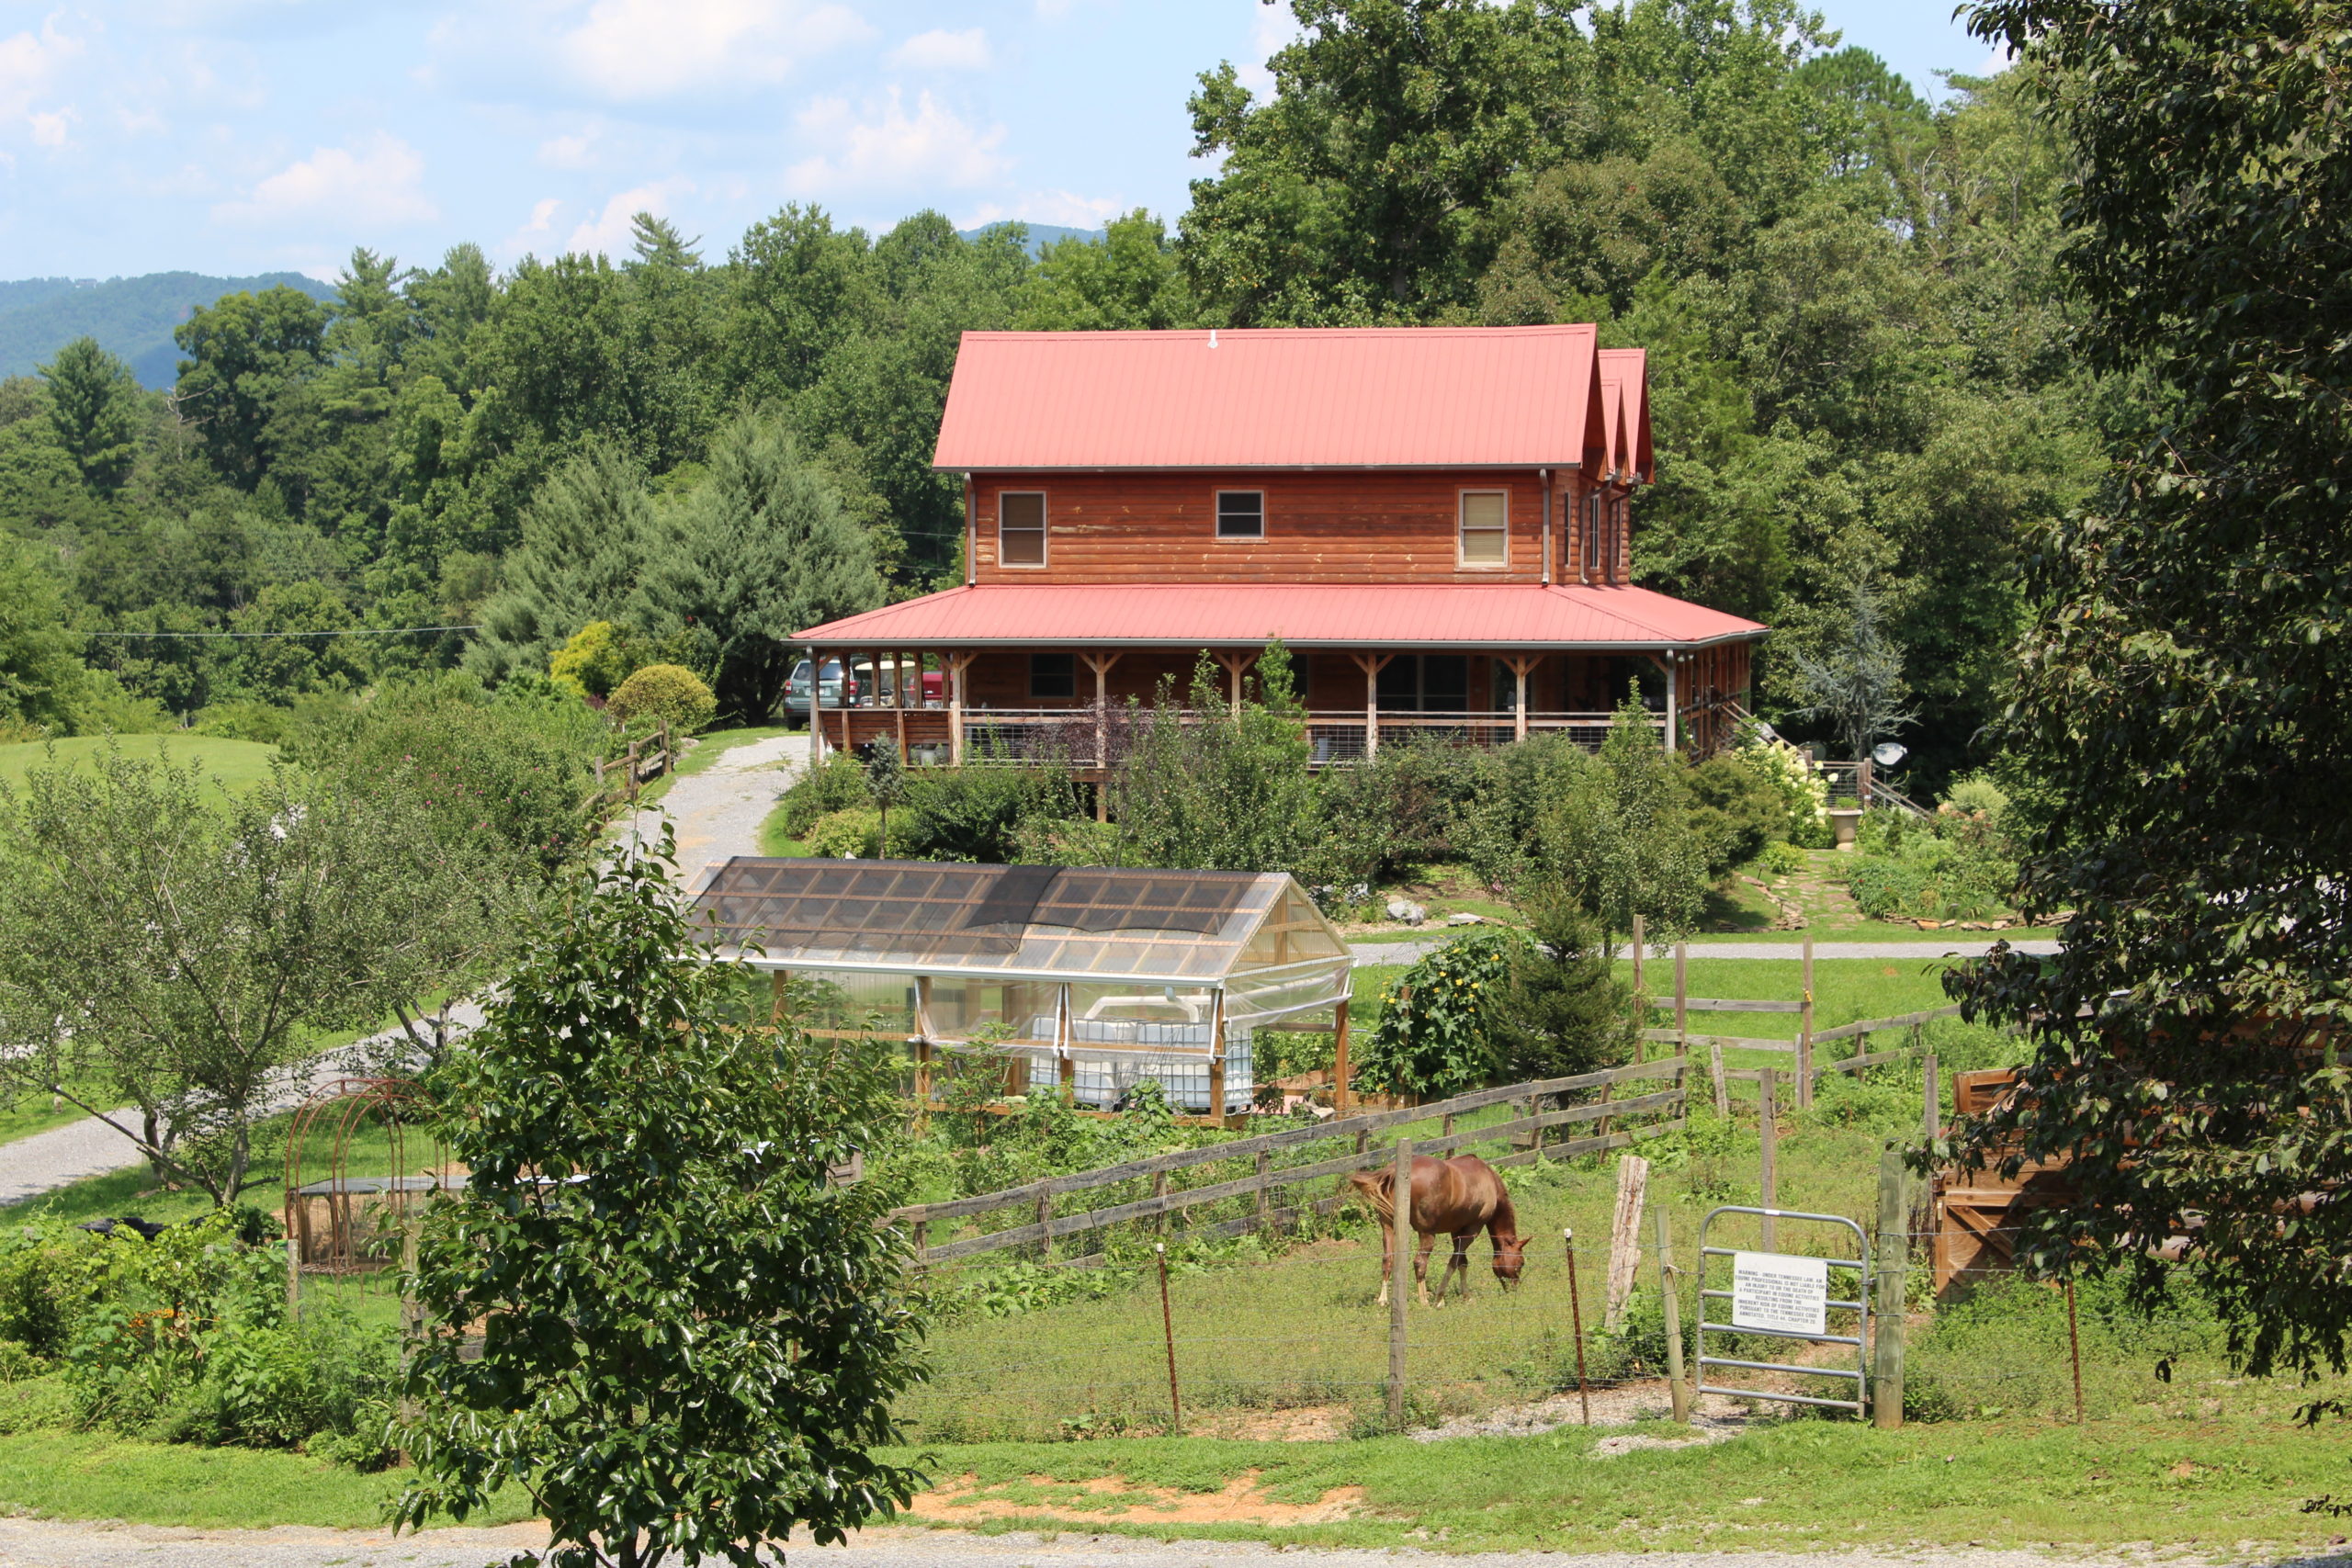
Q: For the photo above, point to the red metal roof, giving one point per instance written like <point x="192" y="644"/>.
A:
<point x="1625" y="387"/>
<point x="1501" y="614"/>
<point x="1384" y="396"/>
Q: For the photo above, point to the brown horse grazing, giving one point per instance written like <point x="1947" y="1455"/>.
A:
<point x="1458" y="1197"/>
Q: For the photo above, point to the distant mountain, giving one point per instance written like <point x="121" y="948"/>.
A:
<point x="1040" y="234"/>
<point x="130" y="316"/>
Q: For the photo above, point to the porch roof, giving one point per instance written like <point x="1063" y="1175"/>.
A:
<point x="1498" y="616"/>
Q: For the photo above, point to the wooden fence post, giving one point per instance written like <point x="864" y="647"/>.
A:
<point x="1767" y="1123"/>
<point x="1638" y="967"/>
<point x="1681" y="996"/>
<point x="1715" y="1071"/>
<point x="1886" y="1383"/>
<point x="1044" y="1214"/>
<point x="1671" y="1300"/>
<point x="1625" y="1236"/>
<point x="1339" y="1073"/>
<point x="1804" y="1033"/>
<point x="1401" y="1275"/>
<point x="1265" y="1170"/>
<point x="1160" y="1192"/>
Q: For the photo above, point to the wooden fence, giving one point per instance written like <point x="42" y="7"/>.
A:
<point x="1808" y="1070"/>
<point x="1267" y="1181"/>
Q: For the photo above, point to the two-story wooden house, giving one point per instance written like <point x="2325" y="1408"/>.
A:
<point x="1432" y="520"/>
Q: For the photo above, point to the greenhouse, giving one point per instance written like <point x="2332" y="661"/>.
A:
<point x="1101" y="978"/>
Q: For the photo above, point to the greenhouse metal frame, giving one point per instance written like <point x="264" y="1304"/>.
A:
<point x="1099" y="977"/>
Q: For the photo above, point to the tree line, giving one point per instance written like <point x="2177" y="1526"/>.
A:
<point x="1847" y="294"/>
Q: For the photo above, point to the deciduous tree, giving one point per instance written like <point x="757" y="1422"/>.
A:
<point x="692" y="1337"/>
<point x="2180" y="712"/>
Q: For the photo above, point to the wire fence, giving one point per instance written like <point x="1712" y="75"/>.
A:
<point x="1271" y="1323"/>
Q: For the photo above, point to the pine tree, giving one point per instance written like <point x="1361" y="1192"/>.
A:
<point x="759" y="551"/>
<point x="94" y="404"/>
<point x="586" y="538"/>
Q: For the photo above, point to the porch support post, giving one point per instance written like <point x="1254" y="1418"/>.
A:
<point x="1100" y="665"/>
<point x="1372" y="664"/>
<point x="1521" y="665"/>
<point x="956" y="664"/>
<point x="1670" y="668"/>
<point x="1234" y="664"/>
<point x="899" y="692"/>
<point x="816" y="707"/>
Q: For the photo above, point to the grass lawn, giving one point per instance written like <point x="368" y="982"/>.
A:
<point x="1789" y="1486"/>
<point x="238" y="764"/>
<point x="81" y="1475"/>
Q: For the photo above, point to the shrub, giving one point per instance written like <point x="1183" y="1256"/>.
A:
<point x="670" y="692"/>
<point x="977" y="812"/>
<point x="507" y="772"/>
<point x="854" y="833"/>
<point x="1435" y="1036"/>
<point x="1802" y="789"/>
<point x="1735" y="812"/>
<point x="839" y="785"/>
<point x="592" y="661"/>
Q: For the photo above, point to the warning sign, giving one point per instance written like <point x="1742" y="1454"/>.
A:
<point x="1777" y="1290"/>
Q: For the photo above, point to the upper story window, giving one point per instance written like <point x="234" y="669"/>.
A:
<point x="1021" y="527"/>
<point x="1485" y="528"/>
<point x="1241" y="515"/>
<point x="1592" y="557"/>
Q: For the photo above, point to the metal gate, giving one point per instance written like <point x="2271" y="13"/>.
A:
<point x="1859" y="1340"/>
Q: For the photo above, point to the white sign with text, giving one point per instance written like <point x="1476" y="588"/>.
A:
<point x="1778" y="1291"/>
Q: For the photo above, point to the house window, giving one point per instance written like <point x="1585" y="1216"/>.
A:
<point x="1593" y="534"/>
<point x="1485" y="528"/>
<point x="1240" y="514"/>
<point x="1053" y="675"/>
<point x="1021" y="528"/>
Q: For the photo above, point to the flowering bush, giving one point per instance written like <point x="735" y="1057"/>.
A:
<point x="1802" y="786"/>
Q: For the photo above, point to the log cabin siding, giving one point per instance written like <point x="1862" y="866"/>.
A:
<point x="1323" y="526"/>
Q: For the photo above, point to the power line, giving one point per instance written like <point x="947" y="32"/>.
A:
<point x="348" y="631"/>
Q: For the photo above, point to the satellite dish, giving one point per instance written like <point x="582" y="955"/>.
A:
<point x="1886" y="753"/>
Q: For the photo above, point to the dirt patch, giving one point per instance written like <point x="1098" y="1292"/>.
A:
<point x="1306" y="1423"/>
<point x="1109" y="1497"/>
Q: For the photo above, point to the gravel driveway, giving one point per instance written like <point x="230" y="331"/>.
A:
<point x="718" y="812"/>
<point x="27" y="1543"/>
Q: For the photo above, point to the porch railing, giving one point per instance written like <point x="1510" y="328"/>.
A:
<point x="1088" y="738"/>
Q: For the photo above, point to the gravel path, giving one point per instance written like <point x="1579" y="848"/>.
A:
<point x="718" y="812"/>
<point x="28" y="1543"/>
<point x="1411" y="951"/>
<point x="62" y="1156"/>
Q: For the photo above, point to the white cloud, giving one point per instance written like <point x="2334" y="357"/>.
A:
<point x="29" y="66"/>
<point x="1272" y="29"/>
<point x="651" y="49"/>
<point x="892" y="148"/>
<point x="381" y="184"/>
<point x="1064" y="209"/>
<point x="940" y="50"/>
<point x="608" y="231"/>
<point x="575" y="151"/>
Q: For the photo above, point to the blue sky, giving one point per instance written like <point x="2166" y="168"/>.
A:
<point x="239" y="136"/>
